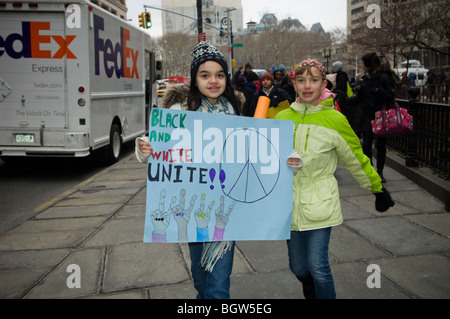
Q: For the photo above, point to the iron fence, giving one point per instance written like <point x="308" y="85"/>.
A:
<point x="429" y="142"/>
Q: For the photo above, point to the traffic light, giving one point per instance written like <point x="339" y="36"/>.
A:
<point x="148" y="20"/>
<point x="141" y="20"/>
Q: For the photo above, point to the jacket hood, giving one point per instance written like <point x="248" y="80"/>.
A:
<point x="175" y="95"/>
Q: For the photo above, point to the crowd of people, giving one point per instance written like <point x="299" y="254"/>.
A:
<point x="434" y="87"/>
<point x="323" y="137"/>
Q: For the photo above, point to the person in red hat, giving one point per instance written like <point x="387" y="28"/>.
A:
<point x="279" y="99"/>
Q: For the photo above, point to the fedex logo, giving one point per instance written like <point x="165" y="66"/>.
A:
<point x="115" y="56"/>
<point x="31" y="40"/>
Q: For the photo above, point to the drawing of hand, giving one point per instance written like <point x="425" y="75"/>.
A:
<point x="159" y="217"/>
<point x="183" y="215"/>
<point x="221" y="217"/>
<point x="201" y="217"/>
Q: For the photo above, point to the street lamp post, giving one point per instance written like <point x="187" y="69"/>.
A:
<point x="327" y="55"/>
<point x="230" y="57"/>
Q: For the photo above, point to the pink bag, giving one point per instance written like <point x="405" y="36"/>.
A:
<point x="392" y="122"/>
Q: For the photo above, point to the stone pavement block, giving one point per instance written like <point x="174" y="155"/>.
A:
<point x="138" y="174"/>
<point x="79" y="211"/>
<point x="399" y="236"/>
<point x="367" y="203"/>
<point x="184" y="290"/>
<point x="350" y="211"/>
<point x="49" y="240"/>
<point x="104" y="192"/>
<point x="54" y="285"/>
<point x="346" y="245"/>
<point x="129" y="294"/>
<point x="143" y="265"/>
<point x="131" y="211"/>
<point x="52" y="233"/>
<point x="140" y="198"/>
<point x="418" y="200"/>
<point x="439" y="223"/>
<point x="426" y="276"/>
<point x="274" y="285"/>
<point x="20" y="270"/>
<point x="15" y="282"/>
<point x="265" y="256"/>
<point x="118" y="231"/>
<point x="101" y="185"/>
<point x="48" y="225"/>
<point x="97" y="200"/>
<point x="350" y="281"/>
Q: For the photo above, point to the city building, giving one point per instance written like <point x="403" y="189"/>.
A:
<point x="213" y="12"/>
<point x="116" y="7"/>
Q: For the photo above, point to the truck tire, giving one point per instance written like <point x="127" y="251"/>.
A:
<point x="115" y="144"/>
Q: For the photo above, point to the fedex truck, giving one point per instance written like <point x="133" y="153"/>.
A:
<point x="74" y="79"/>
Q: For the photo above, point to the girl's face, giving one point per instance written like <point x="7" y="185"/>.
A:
<point x="211" y="80"/>
<point x="309" y="87"/>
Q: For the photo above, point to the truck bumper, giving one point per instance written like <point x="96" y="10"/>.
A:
<point x="43" y="142"/>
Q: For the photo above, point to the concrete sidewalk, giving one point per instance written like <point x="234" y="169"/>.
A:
<point x="99" y="226"/>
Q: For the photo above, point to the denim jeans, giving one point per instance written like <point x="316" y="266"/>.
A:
<point x="308" y="256"/>
<point x="215" y="284"/>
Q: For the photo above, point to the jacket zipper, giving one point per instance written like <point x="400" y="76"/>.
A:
<point x="307" y="136"/>
<point x="308" y="130"/>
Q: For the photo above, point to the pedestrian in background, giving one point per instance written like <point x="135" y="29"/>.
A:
<point x="322" y="139"/>
<point x="211" y="91"/>
<point x="249" y="91"/>
<point x="376" y="89"/>
<point x="279" y="99"/>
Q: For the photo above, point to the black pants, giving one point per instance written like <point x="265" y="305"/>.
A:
<point x="380" y="146"/>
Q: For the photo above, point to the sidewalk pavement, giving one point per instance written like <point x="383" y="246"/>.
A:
<point x="99" y="227"/>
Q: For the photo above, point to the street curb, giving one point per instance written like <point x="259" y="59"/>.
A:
<point x="431" y="183"/>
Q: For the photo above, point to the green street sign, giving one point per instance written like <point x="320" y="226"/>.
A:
<point x="237" y="45"/>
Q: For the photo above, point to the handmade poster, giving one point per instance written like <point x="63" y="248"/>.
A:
<point x="215" y="177"/>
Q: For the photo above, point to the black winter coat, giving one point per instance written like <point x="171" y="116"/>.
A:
<point x="374" y="92"/>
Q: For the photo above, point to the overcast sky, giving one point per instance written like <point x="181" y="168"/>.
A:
<point x="330" y="13"/>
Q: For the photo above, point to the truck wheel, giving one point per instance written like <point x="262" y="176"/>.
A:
<point x="115" y="144"/>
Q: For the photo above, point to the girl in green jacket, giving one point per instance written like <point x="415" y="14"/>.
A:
<point x="322" y="138"/>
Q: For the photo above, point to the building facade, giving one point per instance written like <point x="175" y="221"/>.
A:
<point x="116" y="7"/>
<point x="213" y="12"/>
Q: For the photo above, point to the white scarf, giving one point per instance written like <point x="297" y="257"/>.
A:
<point x="213" y="251"/>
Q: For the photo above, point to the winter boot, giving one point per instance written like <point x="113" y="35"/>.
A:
<point x="309" y="290"/>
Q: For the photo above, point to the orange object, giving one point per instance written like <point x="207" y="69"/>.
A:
<point x="262" y="107"/>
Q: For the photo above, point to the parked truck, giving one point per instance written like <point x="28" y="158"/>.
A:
<point x="74" y="79"/>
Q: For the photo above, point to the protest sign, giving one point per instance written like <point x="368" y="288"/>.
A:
<point x="215" y="177"/>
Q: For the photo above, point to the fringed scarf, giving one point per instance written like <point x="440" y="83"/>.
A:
<point x="213" y="251"/>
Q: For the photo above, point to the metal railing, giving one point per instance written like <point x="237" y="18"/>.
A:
<point x="429" y="142"/>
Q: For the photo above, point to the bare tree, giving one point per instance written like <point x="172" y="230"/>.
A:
<point x="405" y="27"/>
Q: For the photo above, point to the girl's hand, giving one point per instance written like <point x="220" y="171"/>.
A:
<point x="145" y="148"/>
<point x="294" y="161"/>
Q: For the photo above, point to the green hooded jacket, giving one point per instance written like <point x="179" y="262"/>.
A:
<point x="323" y="138"/>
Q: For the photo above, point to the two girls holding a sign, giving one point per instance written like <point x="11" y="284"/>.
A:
<point x="322" y="138"/>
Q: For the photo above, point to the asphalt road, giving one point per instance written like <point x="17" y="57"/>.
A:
<point x="29" y="184"/>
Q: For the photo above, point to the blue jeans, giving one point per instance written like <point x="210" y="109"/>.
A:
<point x="308" y="256"/>
<point x="215" y="284"/>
